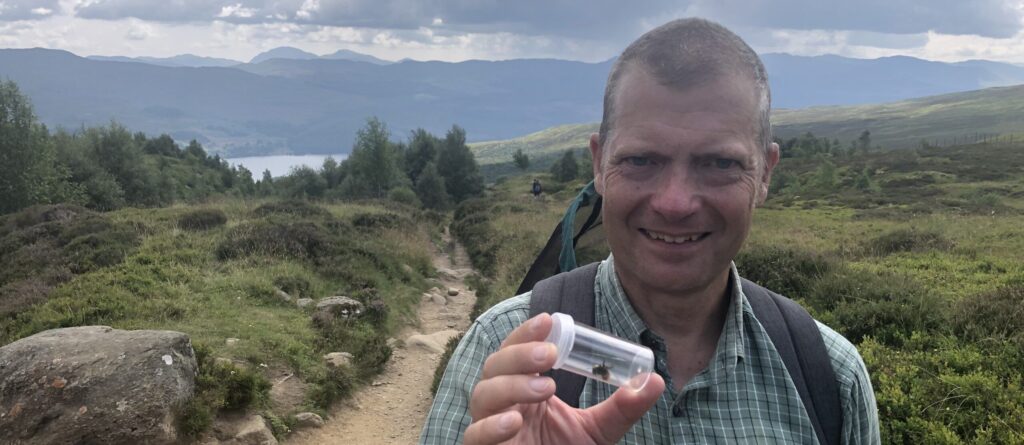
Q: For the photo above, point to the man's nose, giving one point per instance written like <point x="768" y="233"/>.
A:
<point x="678" y="194"/>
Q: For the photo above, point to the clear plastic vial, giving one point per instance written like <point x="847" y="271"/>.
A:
<point x="596" y="355"/>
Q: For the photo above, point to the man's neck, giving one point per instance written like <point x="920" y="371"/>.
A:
<point x="696" y="315"/>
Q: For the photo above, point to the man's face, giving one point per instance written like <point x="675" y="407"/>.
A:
<point x="680" y="172"/>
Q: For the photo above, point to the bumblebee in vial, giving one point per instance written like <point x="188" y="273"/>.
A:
<point x="602" y="371"/>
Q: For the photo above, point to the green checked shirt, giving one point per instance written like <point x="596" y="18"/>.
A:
<point x="745" y="394"/>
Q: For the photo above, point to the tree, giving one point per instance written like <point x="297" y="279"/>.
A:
<point x="521" y="159"/>
<point x="586" y="170"/>
<point x="430" y="188"/>
<point x="565" y="169"/>
<point x="373" y="168"/>
<point x="423" y="149"/>
<point x="331" y="172"/>
<point x="29" y="170"/>
<point x="825" y="177"/>
<point x="302" y="183"/>
<point x="864" y="141"/>
<point x="458" y="166"/>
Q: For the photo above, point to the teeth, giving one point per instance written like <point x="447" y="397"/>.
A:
<point x="671" y="239"/>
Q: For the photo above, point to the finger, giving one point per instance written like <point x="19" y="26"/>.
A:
<point x="525" y="358"/>
<point x="495" y="395"/>
<point x="534" y="329"/>
<point x="613" y="417"/>
<point x="495" y="429"/>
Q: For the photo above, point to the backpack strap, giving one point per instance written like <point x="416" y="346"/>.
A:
<point x="796" y="336"/>
<point x="569" y="293"/>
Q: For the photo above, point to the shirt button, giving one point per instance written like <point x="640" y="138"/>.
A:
<point x="677" y="411"/>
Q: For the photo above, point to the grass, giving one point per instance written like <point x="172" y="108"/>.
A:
<point x="176" y="279"/>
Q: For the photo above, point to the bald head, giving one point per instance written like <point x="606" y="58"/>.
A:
<point x="685" y="53"/>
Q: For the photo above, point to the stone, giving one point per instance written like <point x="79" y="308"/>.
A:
<point x="408" y="269"/>
<point x="231" y="341"/>
<point x="452" y="291"/>
<point x="395" y="343"/>
<point x="255" y="432"/>
<point x="434" y="342"/>
<point x="438" y="299"/>
<point x="338" y="359"/>
<point x="447" y="274"/>
<point x="304" y="302"/>
<point x="282" y="295"/>
<point x="95" y="384"/>
<point x="332" y="308"/>
<point x="242" y="430"/>
<point x="308" y="420"/>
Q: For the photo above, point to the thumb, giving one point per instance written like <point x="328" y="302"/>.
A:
<point x="615" y="416"/>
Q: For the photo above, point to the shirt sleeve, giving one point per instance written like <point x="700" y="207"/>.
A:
<point x="449" y="415"/>
<point x="857" y="397"/>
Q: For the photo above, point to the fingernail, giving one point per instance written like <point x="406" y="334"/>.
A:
<point x="506" y="420"/>
<point x="539" y="384"/>
<point x="540" y="352"/>
<point x="535" y="324"/>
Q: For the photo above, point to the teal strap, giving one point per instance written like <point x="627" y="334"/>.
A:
<point x="567" y="257"/>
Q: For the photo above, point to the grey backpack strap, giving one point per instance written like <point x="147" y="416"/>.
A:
<point x="569" y="293"/>
<point x="796" y="336"/>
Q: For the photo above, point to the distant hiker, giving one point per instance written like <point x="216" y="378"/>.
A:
<point x="683" y="156"/>
<point x="535" y="189"/>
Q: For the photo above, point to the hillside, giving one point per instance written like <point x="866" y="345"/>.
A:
<point x="301" y="103"/>
<point x="967" y="116"/>
<point x="938" y="119"/>
<point x="915" y="256"/>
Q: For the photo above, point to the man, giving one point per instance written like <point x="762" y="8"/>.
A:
<point x="683" y="157"/>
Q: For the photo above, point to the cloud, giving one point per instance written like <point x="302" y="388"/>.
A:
<point x="11" y="10"/>
<point x="988" y="18"/>
<point x="594" y="19"/>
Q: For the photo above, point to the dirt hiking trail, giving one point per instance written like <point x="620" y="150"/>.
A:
<point x="394" y="407"/>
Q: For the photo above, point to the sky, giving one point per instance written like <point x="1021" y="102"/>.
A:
<point x="455" y="30"/>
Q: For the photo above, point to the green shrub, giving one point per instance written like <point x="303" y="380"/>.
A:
<point x="300" y="240"/>
<point x="292" y="208"/>
<point x="336" y="384"/>
<point x="404" y="195"/>
<point x="861" y="304"/>
<point x="472" y="226"/>
<point x="202" y="219"/>
<point x="449" y="349"/>
<point x="220" y="387"/>
<point x="784" y="270"/>
<point x="380" y="221"/>
<point x="907" y="240"/>
<point x="994" y="314"/>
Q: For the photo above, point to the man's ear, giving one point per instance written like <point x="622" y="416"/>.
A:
<point x="595" y="159"/>
<point x="771" y="159"/>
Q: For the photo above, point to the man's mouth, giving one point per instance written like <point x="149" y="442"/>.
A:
<point x="674" y="239"/>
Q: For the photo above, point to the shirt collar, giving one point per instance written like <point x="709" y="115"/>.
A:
<point x="615" y="313"/>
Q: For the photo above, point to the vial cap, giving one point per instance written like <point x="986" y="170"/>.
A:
<point x="562" y="335"/>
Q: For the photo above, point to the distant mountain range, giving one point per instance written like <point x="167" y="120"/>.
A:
<point x="290" y="101"/>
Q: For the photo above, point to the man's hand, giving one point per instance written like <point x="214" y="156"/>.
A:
<point x="512" y="404"/>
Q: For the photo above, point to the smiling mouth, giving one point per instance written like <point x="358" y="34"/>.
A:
<point x="674" y="239"/>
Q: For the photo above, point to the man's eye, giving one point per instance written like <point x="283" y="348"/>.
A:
<point x="637" y="161"/>
<point x="724" y="164"/>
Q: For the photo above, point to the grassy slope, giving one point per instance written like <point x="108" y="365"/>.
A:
<point x="934" y="320"/>
<point x="175" y="280"/>
<point x="992" y="111"/>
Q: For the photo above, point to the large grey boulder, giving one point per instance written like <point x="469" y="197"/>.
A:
<point x="94" y="384"/>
